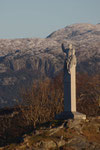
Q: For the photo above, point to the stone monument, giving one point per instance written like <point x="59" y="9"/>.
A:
<point x="69" y="79"/>
<point x="70" y="86"/>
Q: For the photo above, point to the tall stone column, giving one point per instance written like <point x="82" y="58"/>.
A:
<point x="70" y="89"/>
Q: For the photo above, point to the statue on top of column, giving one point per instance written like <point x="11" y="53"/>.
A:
<point x="70" y="56"/>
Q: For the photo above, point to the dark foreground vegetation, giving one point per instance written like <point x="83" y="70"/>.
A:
<point x="43" y="101"/>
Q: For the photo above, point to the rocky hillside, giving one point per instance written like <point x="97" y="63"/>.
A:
<point x="23" y="60"/>
<point x="66" y="135"/>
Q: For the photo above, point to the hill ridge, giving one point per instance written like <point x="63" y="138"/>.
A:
<point x="26" y="59"/>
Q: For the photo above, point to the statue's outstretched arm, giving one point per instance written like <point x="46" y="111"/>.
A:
<point x="63" y="48"/>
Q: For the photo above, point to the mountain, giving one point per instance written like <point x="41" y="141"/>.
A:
<point x="23" y="60"/>
<point x="86" y="40"/>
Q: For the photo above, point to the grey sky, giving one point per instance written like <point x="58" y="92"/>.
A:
<point x="38" y="18"/>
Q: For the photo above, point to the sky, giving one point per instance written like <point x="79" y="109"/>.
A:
<point x="39" y="18"/>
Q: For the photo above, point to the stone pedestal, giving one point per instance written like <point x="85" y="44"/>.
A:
<point x="70" y="115"/>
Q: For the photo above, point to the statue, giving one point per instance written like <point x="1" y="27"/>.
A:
<point x="70" y="59"/>
<point x="70" y="86"/>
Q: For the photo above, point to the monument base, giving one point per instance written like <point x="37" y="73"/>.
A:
<point x="70" y="115"/>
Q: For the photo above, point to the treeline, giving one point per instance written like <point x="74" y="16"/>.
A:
<point x="88" y="94"/>
<point x="44" y="100"/>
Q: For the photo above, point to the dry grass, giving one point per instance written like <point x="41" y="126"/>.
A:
<point x="92" y="131"/>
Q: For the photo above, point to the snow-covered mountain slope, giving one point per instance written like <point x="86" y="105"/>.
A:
<point x="23" y="60"/>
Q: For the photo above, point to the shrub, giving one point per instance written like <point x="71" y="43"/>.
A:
<point x="43" y="101"/>
<point x="88" y="94"/>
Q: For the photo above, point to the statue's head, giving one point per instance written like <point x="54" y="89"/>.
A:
<point x="70" y="46"/>
<point x="67" y="50"/>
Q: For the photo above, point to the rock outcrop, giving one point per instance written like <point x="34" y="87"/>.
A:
<point x="70" y="135"/>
